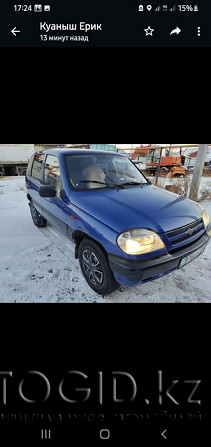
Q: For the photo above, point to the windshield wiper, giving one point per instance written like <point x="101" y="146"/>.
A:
<point x="103" y="183"/>
<point x="134" y="183"/>
<point x="115" y="185"/>
<point x="93" y="181"/>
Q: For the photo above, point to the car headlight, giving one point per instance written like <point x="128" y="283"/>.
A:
<point x="205" y="218"/>
<point x="140" y="241"/>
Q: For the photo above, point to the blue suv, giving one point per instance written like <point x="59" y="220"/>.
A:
<point x="124" y="230"/>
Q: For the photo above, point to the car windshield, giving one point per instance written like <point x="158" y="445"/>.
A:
<point x="95" y="171"/>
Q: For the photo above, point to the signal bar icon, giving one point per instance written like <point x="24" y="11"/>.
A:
<point x="45" y="434"/>
<point x="158" y="8"/>
<point x="172" y="9"/>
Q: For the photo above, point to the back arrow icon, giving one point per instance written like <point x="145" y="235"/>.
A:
<point x="14" y="31"/>
<point x="163" y="434"/>
<point x="176" y="30"/>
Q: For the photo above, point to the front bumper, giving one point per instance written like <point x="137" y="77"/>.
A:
<point x="129" y="272"/>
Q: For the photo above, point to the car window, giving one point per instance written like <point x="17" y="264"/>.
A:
<point x="37" y="166"/>
<point x="52" y="174"/>
<point x="97" y="171"/>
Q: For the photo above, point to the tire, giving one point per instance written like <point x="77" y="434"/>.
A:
<point x="38" y="220"/>
<point x="95" y="268"/>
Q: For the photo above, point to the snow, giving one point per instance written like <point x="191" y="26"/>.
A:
<point x="37" y="265"/>
<point x="205" y="184"/>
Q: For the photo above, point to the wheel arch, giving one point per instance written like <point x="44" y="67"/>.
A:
<point x="79" y="236"/>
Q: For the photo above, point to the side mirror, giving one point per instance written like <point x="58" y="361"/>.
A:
<point x="47" y="191"/>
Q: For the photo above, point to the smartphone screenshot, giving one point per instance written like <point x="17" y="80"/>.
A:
<point x="131" y="363"/>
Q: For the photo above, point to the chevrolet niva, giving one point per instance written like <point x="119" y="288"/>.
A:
<point x="124" y="230"/>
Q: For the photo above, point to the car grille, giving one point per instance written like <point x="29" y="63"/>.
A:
<point x="186" y="235"/>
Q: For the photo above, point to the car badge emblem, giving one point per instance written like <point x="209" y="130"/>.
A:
<point x="190" y="231"/>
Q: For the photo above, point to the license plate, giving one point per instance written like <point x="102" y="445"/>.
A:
<point x="190" y="258"/>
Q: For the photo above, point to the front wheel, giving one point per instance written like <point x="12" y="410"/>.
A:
<point x="95" y="268"/>
<point x="38" y="220"/>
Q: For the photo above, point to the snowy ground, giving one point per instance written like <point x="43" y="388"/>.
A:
<point x="37" y="265"/>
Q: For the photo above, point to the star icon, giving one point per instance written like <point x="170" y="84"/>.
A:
<point x="149" y="31"/>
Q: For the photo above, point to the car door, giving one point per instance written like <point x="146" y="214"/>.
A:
<point x="55" y="209"/>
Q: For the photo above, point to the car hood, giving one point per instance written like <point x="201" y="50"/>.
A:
<point x="137" y="207"/>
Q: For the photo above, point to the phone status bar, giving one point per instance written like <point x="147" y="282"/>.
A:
<point x="166" y="8"/>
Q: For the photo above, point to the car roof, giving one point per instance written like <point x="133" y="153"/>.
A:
<point x="74" y="151"/>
